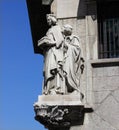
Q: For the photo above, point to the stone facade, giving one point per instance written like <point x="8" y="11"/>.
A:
<point x="103" y="95"/>
<point x="100" y="82"/>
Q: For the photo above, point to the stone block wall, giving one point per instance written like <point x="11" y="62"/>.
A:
<point x="104" y="97"/>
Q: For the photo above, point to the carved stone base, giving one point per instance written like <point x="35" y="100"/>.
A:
<point x="59" y="112"/>
<point x="59" y="116"/>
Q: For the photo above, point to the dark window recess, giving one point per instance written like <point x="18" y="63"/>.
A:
<point x="108" y="23"/>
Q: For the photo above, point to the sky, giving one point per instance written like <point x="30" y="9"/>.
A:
<point x="21" y="69"/>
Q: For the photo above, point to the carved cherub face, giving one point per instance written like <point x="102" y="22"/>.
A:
<point x="67" y="30"/>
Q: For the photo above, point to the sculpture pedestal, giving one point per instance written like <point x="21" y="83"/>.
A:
<point x="59" y="112"/>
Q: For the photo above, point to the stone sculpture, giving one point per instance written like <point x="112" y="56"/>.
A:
<point x="63" y="63"/>
<point x="60" y="106"/>
<point x="73" y="64"/>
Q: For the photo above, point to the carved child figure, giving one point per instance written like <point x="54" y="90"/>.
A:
<point x="73" y="64"/>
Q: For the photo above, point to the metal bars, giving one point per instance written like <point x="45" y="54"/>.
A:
<point x="109" y="42"/>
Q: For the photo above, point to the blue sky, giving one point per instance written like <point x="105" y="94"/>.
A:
<point x="21" y="77"/>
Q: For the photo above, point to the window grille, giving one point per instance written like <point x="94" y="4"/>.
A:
<point x="109" y="45"/>
<point x="108" y="28"/>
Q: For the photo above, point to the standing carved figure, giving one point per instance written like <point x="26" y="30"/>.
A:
<point x="63" y="63"/>
<point x="73" y="64"/>
<point x="51" y="44"/>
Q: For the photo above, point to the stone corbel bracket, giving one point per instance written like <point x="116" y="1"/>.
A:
<point x="60" y="112"/>
<point x="60" y="116"/>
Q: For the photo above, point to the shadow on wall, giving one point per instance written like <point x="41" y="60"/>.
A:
<point x="87" y="7"/>
<point x="37" y="15"/>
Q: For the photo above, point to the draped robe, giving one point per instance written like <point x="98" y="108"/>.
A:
<point x="51" y="45"/>
<point x="72" y="63"/>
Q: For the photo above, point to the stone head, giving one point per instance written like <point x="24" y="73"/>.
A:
<point x="51" y="19"/>
<point x="67" y="30"/>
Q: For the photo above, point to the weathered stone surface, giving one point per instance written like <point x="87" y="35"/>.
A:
<point x="111" y="71"/>
<point x="81" y="27"/>
<point x="83" y="46"/>
<point x="98" y="84"/>
<point x="92" y="26"/>
<point x="54" y="7"/>
<point x="92" y="43"/>
<point x="109" y="111"/>
<point x="59" y="100"/>
<point x="112" y="82"/>
<point x="96" y="106"/>
<point x="116" y="94"/>
<point x="67" y="8"/>
<point x="97" y="97"/>
<point x="95" y="122"/>
<point x="59" y="116"/>
<point x="106" y="71"/>
<point x="91" y="38"/>
<point x="89" y="97"/>
<point x="98" y="72"/>
<point x="105" y="83"/>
